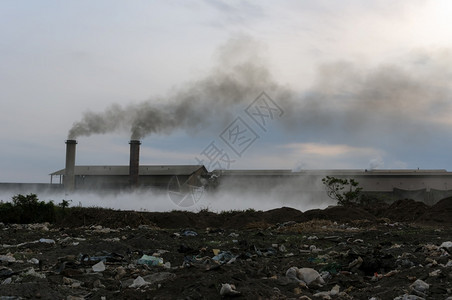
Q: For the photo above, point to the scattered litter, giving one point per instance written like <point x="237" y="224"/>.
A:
<point x="355" y="264"/>
<point x="99" y="267"/>
<point x="159" y="277"/>
<point x="228" y="290"/>
<point x="306" y="275"/>
<point x="138" y="282"/>
<point x="34" y="261"/>
<point x="189" y="233"/>
<point x="72" y="282"/>
<point x="101" y="229"/>
<point x="47" y="241"/>
<point x="224" y="257"/>
<point x="323" y="295"/>
<point x="310" y="276"/>
<point x="7" y="258"/>
<point x="110" y="257"/>
<point x="447" y="245"/>
<point x="419" y="288"/>
<point x="32" y="272"/>
<point x="115" y="239"/>
<point x="420" y="285"/>
<point x="335" y="290"/>
<point x="409" y="297"/>
<point x="150" y="260"/>
<point x="377" y="262"/>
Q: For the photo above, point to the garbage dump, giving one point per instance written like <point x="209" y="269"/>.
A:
<point x="279" y="254"/>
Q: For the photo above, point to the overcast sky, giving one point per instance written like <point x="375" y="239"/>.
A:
<point x="348" y="84"/>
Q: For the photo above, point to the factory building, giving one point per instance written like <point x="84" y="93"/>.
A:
<point x="428" y="186"/>
<point x="118" y="177"/>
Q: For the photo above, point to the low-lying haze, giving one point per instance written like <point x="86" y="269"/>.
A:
<point x="361" y="84"/>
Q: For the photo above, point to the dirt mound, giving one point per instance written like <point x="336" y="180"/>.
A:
<point x="242" y="219"/>
<point x="406" y="210"/>
<point x="440" y="213"/>
<point x="87" y="216"/>
<point x="181" y="219"/>
<point x="228" y="219"/>
<point x="281" y="215"/>
<point x="399" y="211"/>
<point x="338" y="214"/>
<point x="259" y="219"/>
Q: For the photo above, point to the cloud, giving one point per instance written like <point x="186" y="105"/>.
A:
<point x="353" y="103"/>
<point x="328" y="150"/>
<point x="233" y="14"/>
<point x="329" y="156"/>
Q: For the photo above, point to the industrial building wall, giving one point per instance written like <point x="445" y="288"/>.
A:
<point x="388" y="183"/>
<point x="119" y="182"/>
<point x="101" y="182"/>
<point x="160" y="181"/>
<point x="386" y="188"/>
<point x="379" y="183"/>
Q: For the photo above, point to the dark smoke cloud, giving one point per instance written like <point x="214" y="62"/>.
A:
<point x="349" y="103"/>
<point x="404" y="100"/>
<point x="239" y="77"/>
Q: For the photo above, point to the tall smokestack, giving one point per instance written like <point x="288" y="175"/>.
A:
<point x="134" y="162"/>
<point x="69" y="176"/>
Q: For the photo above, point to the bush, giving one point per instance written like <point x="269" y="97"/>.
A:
<point x="335" y="186"/>
<point x="7" y="213"/>
<point x="27" y="209"/>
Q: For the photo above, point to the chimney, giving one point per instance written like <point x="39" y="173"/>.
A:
<point x="134" y="162"/>
<point x="69" y="176"/>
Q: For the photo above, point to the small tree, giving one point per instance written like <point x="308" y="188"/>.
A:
<point x="64" y="204"/>
<point x="335" y="190"/>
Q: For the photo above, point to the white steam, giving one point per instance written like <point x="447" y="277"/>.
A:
<point x="376" y="163"/>
<point x="227" y="197"/>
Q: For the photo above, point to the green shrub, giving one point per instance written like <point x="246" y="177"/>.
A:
<point x="335" y="190"/>
<point x="27" y="209"/>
